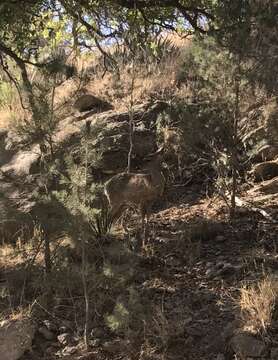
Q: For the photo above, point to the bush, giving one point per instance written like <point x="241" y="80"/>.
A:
<point x="257" y="304"/>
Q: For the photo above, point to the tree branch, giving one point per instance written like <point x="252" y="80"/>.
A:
<point x="25" y="79"/>
<point x="13" y="80"/>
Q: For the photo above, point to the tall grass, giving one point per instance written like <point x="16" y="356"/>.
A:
<point x="258" y="304"/>
<point x="9" y="104"/>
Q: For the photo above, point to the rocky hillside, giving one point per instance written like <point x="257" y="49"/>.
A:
<point x="204" y="287"/>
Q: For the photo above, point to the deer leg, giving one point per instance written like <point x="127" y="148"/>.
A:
<point x="147" y="222"/>
<point x="143" y="215"/>
<point x="179" y="167"/>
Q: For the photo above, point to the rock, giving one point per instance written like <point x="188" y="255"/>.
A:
<point x="47" y="334"/>
<point x="259" y="131"/>
<point x="266" y="153"/>
<point x="65" y="339"/>
<point x="23" y="163"/>
<point x="264" y="188"/>
<point x="246" y="345"/>
<point x="274" y="353"/>
<point x="109" y="136"/>
<point x="89" y="102"/>
<point x="16" y="337"/>
<point x="265" y="171"/>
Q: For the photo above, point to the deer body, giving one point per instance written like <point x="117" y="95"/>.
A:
<point x="138" y="190"/>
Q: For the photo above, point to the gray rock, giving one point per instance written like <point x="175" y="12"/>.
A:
<point x="265" y="170"/>
<point x="89" y="102"/>
<point x="15" y="338"/>
<point x="266" y="153"/>
<point x="23" y="163"/>
<point x="259" y="132"/>
<point x="246" y="345"/>
<point x="110" y="136"/>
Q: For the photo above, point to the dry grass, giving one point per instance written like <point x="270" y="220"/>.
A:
<point x="5" y="118"/>
<point x="10" y="115"/>
<point x="9" y="105"/>
<point x="257" y="305"/>
<point x="154" y="80"/>
<point x="20" y="313"/>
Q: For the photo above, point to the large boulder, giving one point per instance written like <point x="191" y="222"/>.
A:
<point x="265" y="171"/>
<point x="109" y="136"/>
<point x="16" y="338"/>
<point x="259" y="131"/>
<point x="89" y="102"/>
<point x="23" y="163"/>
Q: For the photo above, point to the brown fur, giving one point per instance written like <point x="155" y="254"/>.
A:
<point x="138" y="190"/>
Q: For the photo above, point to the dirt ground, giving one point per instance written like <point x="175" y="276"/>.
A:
<point x="188" y="280"/>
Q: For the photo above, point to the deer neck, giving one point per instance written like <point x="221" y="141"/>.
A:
<point x="156" y="175"/>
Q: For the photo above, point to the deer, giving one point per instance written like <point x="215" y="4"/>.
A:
<point x="137" y="190"/>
